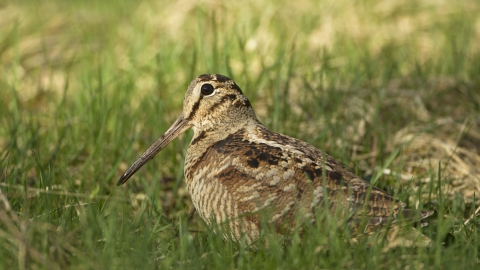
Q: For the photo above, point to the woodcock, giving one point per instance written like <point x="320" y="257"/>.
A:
<point x="238" y="172"/>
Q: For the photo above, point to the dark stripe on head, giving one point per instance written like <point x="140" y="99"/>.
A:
<point x="235" y="87"/>
<point x="194" y="108"/>
<point x="213" y="77"/>
<point x="221" y="78"/>
<point x="205" y="77"/>
<point x="230" y="97"/>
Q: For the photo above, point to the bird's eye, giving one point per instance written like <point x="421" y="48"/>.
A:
<point x="207" y="89"/>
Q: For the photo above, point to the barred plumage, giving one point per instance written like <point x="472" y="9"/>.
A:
<point x="236" y="169"/>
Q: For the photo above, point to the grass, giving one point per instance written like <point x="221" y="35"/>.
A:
<point x="391" y="89"/>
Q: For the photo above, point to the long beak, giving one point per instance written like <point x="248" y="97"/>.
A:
<point x="176" y="129"/>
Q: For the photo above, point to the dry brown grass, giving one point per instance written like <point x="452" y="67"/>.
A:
<point x="424" y="154"/>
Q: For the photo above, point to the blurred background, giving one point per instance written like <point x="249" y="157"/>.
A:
<point x="390" y="88"/>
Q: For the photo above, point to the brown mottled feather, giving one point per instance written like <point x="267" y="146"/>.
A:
<point x="236" y="169"/>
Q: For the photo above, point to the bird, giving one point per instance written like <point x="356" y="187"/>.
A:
<point x="240" y="173"/>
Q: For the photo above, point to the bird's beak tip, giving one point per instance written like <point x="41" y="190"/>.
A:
<point x="122" y="180"/>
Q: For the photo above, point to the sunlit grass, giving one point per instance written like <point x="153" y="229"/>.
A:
<point x="391" y="89"/>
